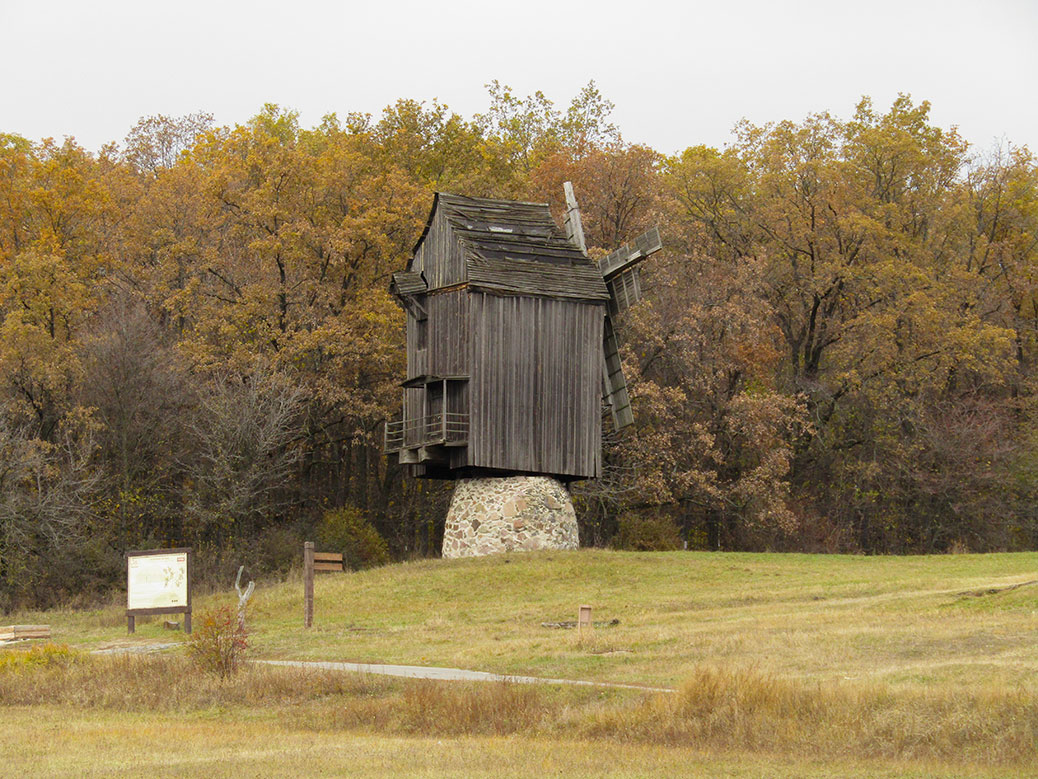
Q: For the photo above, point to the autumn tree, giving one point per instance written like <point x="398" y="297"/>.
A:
<point x="857" y="228"/>
<point x="835" y="351"/>
<point x="156" y="142"/>
<point x="527" y="129"/>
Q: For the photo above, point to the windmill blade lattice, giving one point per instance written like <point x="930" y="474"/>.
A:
<point x="620" y="272"/>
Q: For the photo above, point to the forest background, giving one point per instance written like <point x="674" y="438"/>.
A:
<point x="836" y="350"/>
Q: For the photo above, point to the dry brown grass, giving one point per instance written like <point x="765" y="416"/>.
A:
<point x="52" y="741"/>
<point x="716" y="711"/>
<point x="170" y="683"/>
<point x="742" y="710"/>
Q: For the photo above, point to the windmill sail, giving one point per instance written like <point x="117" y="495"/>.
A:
<point x="574" y="224"/>
<point x="630" y="254"/>
<point x="625" y="289"/>
<point x="620" y="273"/>
<point x="614" y="384"/>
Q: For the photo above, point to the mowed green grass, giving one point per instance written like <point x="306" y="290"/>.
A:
<point x="906" y="621"/>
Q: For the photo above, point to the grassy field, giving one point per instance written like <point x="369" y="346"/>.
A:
<point x="105" y="744"/>
<point x="903" y="620"/>
<point x="787" y="665"/>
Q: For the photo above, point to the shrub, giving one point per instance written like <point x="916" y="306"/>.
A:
<point x="271" y="553"/>
<point x="347" y="530"/>
<point x="219" y="644"/>
<point x="647" y="533"/>
<point x="276" y="550"/>
<point x="39" y="656"/>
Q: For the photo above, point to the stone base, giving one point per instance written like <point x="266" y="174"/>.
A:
<point x="509" y="514"/>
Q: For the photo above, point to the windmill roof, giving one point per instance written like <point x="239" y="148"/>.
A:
<point x="512" y="247"/>
<point x="407" y="283"/>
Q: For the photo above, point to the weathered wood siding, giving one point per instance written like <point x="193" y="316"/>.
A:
<point x="515" y="307"/>
<point x="449" y="333"/>
<point x="413" y="398"/>
<point x="449" y="353"/>
<point x="439" y="256"/>
<point x="536" y="384"/>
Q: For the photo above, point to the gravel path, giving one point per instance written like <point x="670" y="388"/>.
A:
<point x="408" y="671"/>
<point x="136" y="649"/>
<point x="448" y="674"/>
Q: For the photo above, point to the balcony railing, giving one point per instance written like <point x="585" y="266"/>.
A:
<point x="447" y="429"/>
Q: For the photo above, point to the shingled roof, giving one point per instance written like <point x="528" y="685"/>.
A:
<point x="516" y="248"/>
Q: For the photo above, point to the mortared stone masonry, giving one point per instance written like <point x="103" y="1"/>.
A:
<point x="509" y="514"/>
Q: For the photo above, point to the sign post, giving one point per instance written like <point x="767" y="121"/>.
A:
<point x="308" y="583"/>
<point x="158" y="581"/>
<point x="315" y="561"/>
<point x="584" y="618"/>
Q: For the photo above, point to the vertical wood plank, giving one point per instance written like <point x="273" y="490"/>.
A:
<point x="308" y="583"/>
<point x="584" y="618"/>
<point x="535" y="384"/>
<point x="187" y="614"/>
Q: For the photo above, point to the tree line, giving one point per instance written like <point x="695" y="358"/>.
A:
<point x="835" y="352"/>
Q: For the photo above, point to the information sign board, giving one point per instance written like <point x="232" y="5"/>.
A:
<point x="158" y="581"/>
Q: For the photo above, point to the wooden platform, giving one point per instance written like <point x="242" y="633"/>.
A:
<point x="19" y="632"/>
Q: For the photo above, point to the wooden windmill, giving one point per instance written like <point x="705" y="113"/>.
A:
<point x="511" y="343"/>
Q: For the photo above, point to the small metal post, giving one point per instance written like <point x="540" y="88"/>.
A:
<point x="308" y="583"/>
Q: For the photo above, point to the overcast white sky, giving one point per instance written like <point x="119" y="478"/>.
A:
<point x="680" y="74"/>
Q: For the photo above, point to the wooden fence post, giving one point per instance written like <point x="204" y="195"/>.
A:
<point x="584" y="619"/>
<point x="308" y="583"/>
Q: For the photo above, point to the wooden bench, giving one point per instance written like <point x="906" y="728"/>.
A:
<point x="20" y="632"/>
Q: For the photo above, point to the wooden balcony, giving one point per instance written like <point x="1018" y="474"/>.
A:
<point x="406" y="435"/>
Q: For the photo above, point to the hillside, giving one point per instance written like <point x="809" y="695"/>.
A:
<point x="955" y="619"/>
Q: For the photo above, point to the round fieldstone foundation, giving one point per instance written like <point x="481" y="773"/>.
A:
<point x="509" y="514"/>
